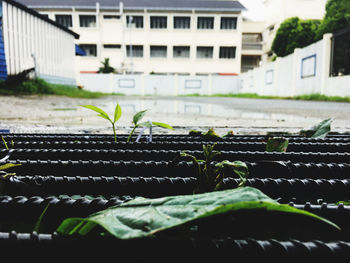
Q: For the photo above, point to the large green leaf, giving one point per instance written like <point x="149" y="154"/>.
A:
<point x="319" y="130"/>
<point x="101" y="112"/>
<point x="143" y="217"/>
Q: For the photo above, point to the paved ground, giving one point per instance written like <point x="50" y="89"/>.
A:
<point x="55" y="114"/>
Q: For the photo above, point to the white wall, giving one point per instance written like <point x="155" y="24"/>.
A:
<point x="27" y="36"/>
<point x="306" y="71"/>
<point x="170" y="85"/>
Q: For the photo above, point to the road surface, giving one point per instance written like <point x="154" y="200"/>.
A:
<point x="54" y="114"/>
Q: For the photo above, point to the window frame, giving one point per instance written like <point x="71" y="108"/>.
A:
<point x="202" y="47"/>
<point x="205" y="17"/>
<point x="89" y="56"/>
<point x="182" y="28"/>
<point x="158" y="16"/>
<point x="228" y="17"/>
<point x="159" y="57"/>
<point x="86" y="15"/>
<point x="128" y="25"/>
<point x="127" y="48"/>
<point x="66" y="15"/>
<point x="182" y="57"/>
<point x="227" y="48"/>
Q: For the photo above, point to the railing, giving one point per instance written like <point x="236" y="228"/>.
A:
<point x="252" y="46"/>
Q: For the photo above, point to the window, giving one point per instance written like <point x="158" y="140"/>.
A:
<point x="134" y="21"/>
<point x="204" y="52"/>
<point x="158" y="22"/>
<point x="158" y="51"/>
<point x="181" y="52"/>
<point x="111" y="46"/>
<point x="64" y="20"/>
<point x="87" y="21"/>
<point x="90" y="49"/>
<point x="134" y="51"/>
<point x="227" y="52"/>
<point x="182" y="22"/>
<point x="205" y="23"/>
<point x="109" y="17"/>
<point x="228" y="23"/>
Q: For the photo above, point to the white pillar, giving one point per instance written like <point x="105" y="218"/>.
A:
<point x="326" y="61"/>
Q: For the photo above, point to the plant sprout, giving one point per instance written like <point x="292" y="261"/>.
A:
<point x="277" y="144"/>
<point x="103" y="114"/>
<point x="136" y="123"/>
<point x="209" y="178"/>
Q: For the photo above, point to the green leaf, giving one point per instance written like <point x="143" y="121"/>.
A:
<point x="144" y="217"/>
<point x="319" y="130"/>
<point x="240" y="168"/>
<point x="277" y="144"/>
<point x="8" y="165"/>
<point x="102" y="113"/>
<point x="117" y="113"/>
<point x="162" y="125"/>
<point x="138" y="116"/>
<point x="211" y="135"/>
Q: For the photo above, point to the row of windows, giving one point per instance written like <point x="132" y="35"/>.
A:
<point x="137" y="51"/>
<point x="156" y="22"/>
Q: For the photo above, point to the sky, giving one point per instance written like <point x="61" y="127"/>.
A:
<point x="255" y="9"/>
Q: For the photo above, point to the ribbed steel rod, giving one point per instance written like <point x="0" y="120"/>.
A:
<point x="167" y="155"/>
<point x="181" y="145"/>
<point x="250" y="248"/>
<point x="263" y="169"/>
<point x="306" y="189"/>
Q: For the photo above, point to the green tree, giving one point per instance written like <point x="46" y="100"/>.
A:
<point x="106" y="67"/>
<point x="294" y="33"/>
<point x="337" y="17"/>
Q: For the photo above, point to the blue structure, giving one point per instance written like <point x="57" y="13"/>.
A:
<point x="3" y="68"/>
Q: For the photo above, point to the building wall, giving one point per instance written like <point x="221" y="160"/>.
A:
<point x="115" y="31"/>
<point x="32" y="42"/>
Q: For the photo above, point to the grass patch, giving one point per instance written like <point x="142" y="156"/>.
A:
<point x="311" y="97"/>
<point x="39" y="86"/>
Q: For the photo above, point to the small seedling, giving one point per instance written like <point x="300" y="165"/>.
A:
<point x="3" y="140"/>
<point x="103" y="114"/>
<point x="4" y="175"/>
<point x="209" y="135"/>
<point x="277" y="144"/>
<point x="210" y="178"/>
<point x="136" y="123"/>
<point x="319" y="130"/>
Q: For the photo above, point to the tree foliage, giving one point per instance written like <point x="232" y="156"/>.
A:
<point x="337" y="17"/>
<point x="294" y="33"/>
<point x="106" y="67"/>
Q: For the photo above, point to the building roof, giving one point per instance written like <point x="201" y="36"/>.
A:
<point x="35" y="13"/>
<point x="204" y="5"/>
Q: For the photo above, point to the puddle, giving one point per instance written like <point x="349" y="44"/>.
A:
<point x="196" y="109"/>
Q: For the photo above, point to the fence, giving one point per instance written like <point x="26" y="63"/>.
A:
<point x="170" y="85"/>
<point x="306" y="71"/>
<point x="341" y="53"/>
<point x="30" y="40"/>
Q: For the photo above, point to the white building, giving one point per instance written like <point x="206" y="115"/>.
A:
<point x="29" y="40"/>
<point x="276" y="11"/>
<point x="147" y="36"/>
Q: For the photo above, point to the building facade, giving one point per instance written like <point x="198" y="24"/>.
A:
<point x="29" y="40"/>
<point x="164" y="37"/>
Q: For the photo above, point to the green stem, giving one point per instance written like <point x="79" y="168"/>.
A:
<point x="115" y="134"/>
<point x="131" y="133"/>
